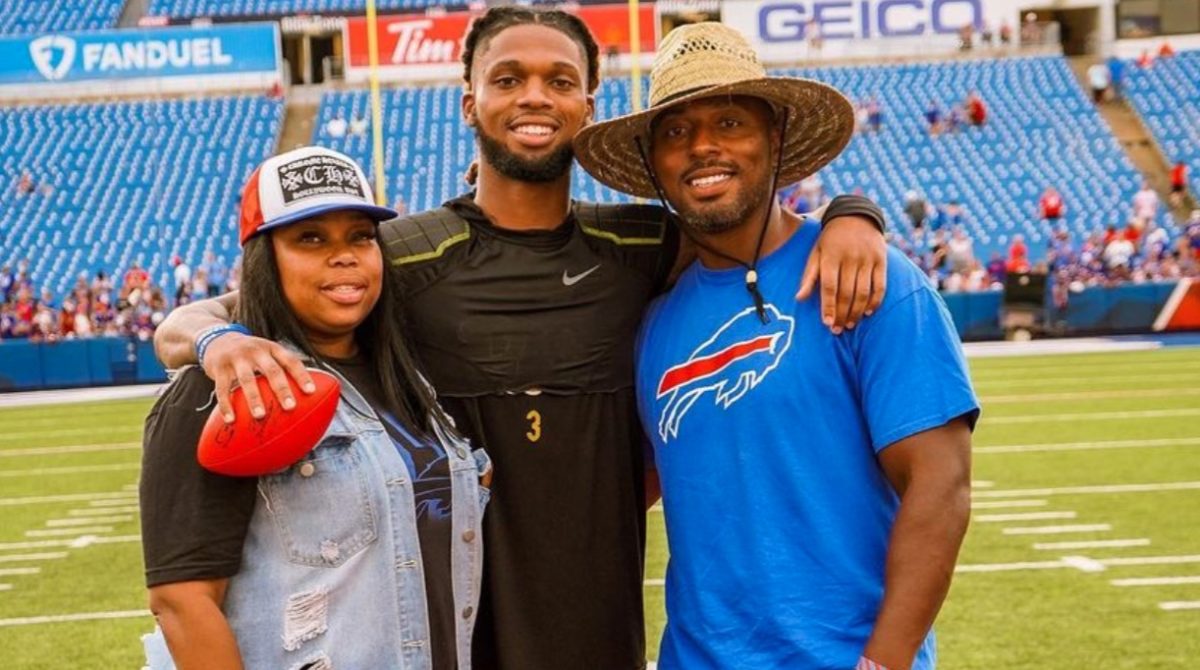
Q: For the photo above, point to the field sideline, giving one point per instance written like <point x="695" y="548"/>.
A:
<point x="1083" y="551"/>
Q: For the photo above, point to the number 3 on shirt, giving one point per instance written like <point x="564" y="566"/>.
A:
<point x="535" y="425"/>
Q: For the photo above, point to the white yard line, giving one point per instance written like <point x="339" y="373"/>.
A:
<point x="1092" y="544"/>
<point x="71" y="449"/>
<point x="83" y="616"/>
<point x="1156" y="581"/>
<point x="124" y="498"/>
<point x="1086" y="395"/>
<point x="1088" y="446"/>
<point x="655" y="582"/>
<point x="1091" y="382"/>
<point x="68" y="531"/>
<point x="19" y="571"/>
<point x="1075" y="345"/>
<point x="1176" y="605"/>
<point x="1023" y="516"/>
<point x="1054" y="530"/>
<point x="61" y="523"/>
<point x="1045" y="371"/>
<point x="35" y="398"/>
<point x="1094" y="416"/>
<point x="70" y="470"/>
<point x="46" y="556"/>
<point x="73" y="542"/>
<point x="1002" y="504"/>
<point x="5" y="587"/>
<point x="1086" y="490"/>
<point x="1076" y="562"/>
<point x="70" y="432"/>
<point x="982" y="484"/>
<point x="97" y="511"/>
<point x="1083" y="563"/>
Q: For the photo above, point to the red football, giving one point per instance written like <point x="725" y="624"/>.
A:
<point x="250" y="447"/>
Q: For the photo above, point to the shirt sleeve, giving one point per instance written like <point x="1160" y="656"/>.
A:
<point x="912" y="374"/>
<point x="194" y="522"/>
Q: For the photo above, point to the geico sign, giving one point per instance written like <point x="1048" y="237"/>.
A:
<point x="856" y="19"/>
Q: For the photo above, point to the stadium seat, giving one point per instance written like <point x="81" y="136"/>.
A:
<point x="24" y="17"/>
<point x="1167" y="96"/>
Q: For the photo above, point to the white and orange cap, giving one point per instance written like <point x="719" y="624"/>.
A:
<point x="304" y="183"/>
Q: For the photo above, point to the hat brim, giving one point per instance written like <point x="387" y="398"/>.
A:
<point x="819" y="126"/>
<point x="377" y="213"/>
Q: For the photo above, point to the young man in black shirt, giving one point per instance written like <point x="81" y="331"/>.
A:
<point x="522" y="308"/>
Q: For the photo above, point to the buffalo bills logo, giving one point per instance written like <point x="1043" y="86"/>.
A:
<point x="734" y="360"/>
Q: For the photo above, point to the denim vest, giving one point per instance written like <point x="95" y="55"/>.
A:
<point x="331" y="576"/>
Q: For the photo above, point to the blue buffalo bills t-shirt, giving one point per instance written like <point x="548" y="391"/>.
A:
<point x="766" y="438"/>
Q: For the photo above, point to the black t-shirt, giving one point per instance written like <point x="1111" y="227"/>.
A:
<point x="194" y="522"/>
<point x="528" y="338"/>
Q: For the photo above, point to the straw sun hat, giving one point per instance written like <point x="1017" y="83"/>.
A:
<point x="704" y="60"/>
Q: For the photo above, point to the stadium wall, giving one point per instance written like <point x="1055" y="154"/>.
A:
<point x="26" y="366"/>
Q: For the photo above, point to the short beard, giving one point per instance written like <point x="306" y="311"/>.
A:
<point x="720" y="219"/>
<point x="534" y="170"/>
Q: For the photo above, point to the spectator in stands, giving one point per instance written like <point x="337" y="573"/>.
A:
<point x="986" y="34"/>
<point x="860" y="117"/>
<point x="1117" y="257"/>
<point x="954" y="119"/>
<point x="276" y="91"/>
<point x="336" y="127"/>
<point x="1061" y="252"/>
<point x="135" y="278"/>
<point x="966" y="37"/>
<point x="234" y="282"/>
<point x="874" y="114"/>
<point x="1166" y="50"/>
<point x="917" y="211"/>
<point x="950" y="215"/>
<point x="7" y="280"/>
<point x="996" y="268"/>
<point x="1018" y="255"/>
<point x="183" y="281"/>
<point x="1155" y="241"/>
<point x="1145" y="60"/>
<point x="933" y="117"/>
<point x="200" y="285"/>
<point x="976" y="109"/>
<point x="218" y="273"/>
<point x="812" y="30"/>
<point x="1006" y="33"/>
<point x="1179" y="180"/>
<point x="25" y="183"/>
<point x="1099" y="79"/>
<point x="1051" y="205"/>
<point x="1145" y="203"/>
<point x="1031" y="30"/>
<point x="358" y="125"/>
<point x="1192" y="233"/>
<point x="960" y="251"/>
<point x="812" y="189"/>
<point x="1116" y="76"/>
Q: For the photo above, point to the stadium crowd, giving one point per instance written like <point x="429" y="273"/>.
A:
<point x="100" y="306"/>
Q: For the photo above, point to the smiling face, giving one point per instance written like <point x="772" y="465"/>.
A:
<point x="331" y="270"/>
<point x="714" y="158"/>
<point x="528" y="98"/>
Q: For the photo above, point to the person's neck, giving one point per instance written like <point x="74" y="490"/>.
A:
<point x="334" y="346"/>
<point x="522" y="205"/>
<point x="741" y="240"/>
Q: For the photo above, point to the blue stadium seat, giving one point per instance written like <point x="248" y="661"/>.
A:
<point x="254" y="8"/>
<point x="1042" y="131"/>
<point x="1167" y="96"/>
<point x="24" y="17"/>
<point x="131" y="181"/>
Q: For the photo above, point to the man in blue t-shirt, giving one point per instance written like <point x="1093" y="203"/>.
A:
<point x="816" y="487"/>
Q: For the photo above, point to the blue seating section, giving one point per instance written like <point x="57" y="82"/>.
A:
<point x="1042" y="131"/>
<point x="23" y="17"/>
<point x="138" y="181"/>
<point x="1167" y="96"/>
<point x="191" y="8"/>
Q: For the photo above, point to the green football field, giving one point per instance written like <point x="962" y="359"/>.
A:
<point x="1084" y="550"/>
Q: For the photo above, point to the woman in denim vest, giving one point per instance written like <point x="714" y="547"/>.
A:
<point x="364" y="554"/>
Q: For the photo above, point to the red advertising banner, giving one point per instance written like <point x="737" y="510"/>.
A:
<point x="417" y="39"/>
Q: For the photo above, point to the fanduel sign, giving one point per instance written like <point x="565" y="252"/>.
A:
<point x="141" y="53"/>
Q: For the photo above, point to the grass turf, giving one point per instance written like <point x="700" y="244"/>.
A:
<point x="1132" y="418"/>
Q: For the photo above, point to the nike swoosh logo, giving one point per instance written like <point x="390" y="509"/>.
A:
<point x="568" y="280"/>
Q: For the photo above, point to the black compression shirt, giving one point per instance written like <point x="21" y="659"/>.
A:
<point x="528" y="338"/>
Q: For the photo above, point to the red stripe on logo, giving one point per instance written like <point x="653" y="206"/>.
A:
<point x="703" y="367"/>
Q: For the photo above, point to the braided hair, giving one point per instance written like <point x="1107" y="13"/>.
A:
<point x="498" y="19"/>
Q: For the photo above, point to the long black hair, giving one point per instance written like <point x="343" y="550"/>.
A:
<point x="263" y="309"/>
<point x="498" y="19"/>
